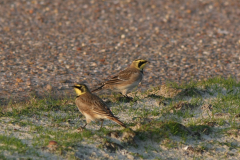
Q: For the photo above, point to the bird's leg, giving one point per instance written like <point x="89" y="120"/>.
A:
<point x="124" y="95"/>
<point x="101" y="123"/>
<point x="121" y="93"/>
<point x="82" y="127"/>
<point x="127" y="97"/>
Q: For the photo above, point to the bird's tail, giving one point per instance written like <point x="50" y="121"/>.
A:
<point x="98" y="89"/>
<point x="115" y="119"/>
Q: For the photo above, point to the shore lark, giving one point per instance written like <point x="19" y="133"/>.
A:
<point x="127" y="79"/>
<point x="93" y="107"/>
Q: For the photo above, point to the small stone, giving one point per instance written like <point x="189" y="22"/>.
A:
<point x="6" y="29"/>
<point x="136" y="127"/>
<point x="19" y="80"/>
<point x="93" y="64"/>
<point x="102" y="60"/>
<point x="129" y="156"/>
<point x="67" y="66"/>
<point x="189" y="11"/>
<point x="30" y="11"/>
<point x="49" y="87"/>
<point x="102" y="51"/>
<point x="189" y="148"/>
<point x="52" y="145"/>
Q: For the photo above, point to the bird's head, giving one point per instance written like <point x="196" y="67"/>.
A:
<point x="81" y="89"/>
<point x="139" y="63"/>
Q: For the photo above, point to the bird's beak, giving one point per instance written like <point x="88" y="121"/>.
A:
<point x="73" y="86"/>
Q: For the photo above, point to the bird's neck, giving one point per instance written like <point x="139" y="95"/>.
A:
<point x="79" y="93"/>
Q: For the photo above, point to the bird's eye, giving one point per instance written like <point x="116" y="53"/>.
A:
<point x="140" y="64"/>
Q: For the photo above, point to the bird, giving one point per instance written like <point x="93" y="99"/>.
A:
<point x="93" y="107"/>
<point x="125" y="80"/>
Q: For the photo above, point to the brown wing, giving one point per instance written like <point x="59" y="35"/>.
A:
<point x="93" y="104"/>
<point x="124" y="75"/>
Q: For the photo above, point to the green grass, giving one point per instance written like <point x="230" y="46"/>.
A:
<point x="175" y="122"/>
<point x="228" y="83"/>
<point x="14" y="146"/>
<point x="12" y="143"/>
<point x="64" y="138"/>
<point x="159" y="130"/>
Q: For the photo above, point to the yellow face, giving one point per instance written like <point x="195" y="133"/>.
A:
<point x="140" y="63"/>
<point x="80" y="89"/>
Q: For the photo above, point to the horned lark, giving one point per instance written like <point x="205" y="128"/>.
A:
<point x="92" y="107"/>
<point x="127" y="79"/>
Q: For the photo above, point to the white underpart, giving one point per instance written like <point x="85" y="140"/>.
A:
<point x="129" y="87"/>
<point x="88" y="117"/>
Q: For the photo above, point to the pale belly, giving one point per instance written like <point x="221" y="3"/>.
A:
<point x="127" y="88"/>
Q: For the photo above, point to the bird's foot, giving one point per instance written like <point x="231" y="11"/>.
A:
<point x="125" y="99"/>
<point x="80" y="129"/>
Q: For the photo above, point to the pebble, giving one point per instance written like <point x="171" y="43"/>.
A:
<point x="52" y="145"/>
<point x="49" y="87"/>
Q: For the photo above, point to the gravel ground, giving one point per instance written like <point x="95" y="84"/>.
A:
<point x="44" y="43"/>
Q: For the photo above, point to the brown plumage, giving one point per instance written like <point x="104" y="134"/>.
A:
<point x="93" y="107"/>
<point x="127" y="79"/>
